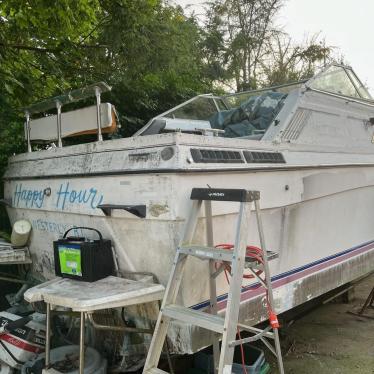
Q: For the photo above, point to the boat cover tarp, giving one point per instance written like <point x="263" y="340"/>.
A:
<point x="253" y="116"/>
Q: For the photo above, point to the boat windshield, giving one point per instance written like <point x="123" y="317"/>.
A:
<point x="243" y="114"/>
<point x="236" y="99"/>
<point x="200" y="107"/>
<point x="340" y="80"/>
<point x="249" y="114"/>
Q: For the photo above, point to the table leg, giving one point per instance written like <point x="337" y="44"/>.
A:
<point x="81" y="345"/>
<point x="48" y="336"/>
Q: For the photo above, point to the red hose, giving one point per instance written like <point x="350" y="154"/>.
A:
<point x="251" y="251"/>
<point x="242" y="354"/>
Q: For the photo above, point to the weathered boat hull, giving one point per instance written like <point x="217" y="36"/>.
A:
<point x="312" y="162"/>
<point x="318" y="219"/>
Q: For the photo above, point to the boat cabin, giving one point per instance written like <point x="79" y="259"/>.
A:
<point x="309" y="112"/>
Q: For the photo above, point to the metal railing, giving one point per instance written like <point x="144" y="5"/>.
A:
<point x="58" y="101"/>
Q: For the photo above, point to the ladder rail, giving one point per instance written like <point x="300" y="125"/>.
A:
<point x="187" y="236"/>
<point x="213" y="307"/>
<point x="268" y="283"/>
<point x="263" y="247"/>
<point x="234" y="294"/>
<point x="171" y="290"/>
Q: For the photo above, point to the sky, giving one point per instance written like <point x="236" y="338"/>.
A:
<point x="346" y="24"/>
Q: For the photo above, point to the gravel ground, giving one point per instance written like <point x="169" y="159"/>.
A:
<point x="330" y="340"/>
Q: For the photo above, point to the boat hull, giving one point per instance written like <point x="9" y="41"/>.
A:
<point x="319" y="220"/>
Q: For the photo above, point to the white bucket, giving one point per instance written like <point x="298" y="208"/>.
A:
<point x="20" y="233"/>
<point x="93" y="362"/>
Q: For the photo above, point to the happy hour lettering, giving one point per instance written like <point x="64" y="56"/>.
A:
<point x="30" y="198"/>
<point x="63" y="197"/>
<point x="67" y="195"/>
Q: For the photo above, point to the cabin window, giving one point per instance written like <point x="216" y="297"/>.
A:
<point x="358" y="84"/>
<point x="340" y="81"/>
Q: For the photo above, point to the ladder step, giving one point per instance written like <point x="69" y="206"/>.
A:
<point x="211" y="253"/>
<point x="261" y="334"/>
<point x="224" y="194"/>
<point x="194" y="317"/>
<point x="155" y="371"/>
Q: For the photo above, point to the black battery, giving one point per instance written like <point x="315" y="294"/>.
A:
<point x="83" y="259"/>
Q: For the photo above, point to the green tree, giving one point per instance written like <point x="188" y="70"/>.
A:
<point x="155" y="58"/>
<point x="244" y="50"/>
<point x="39" y="46"/>
<point x="287" y="61"/>
<point x="236" y="39"/>
<point x="150" y="53"/>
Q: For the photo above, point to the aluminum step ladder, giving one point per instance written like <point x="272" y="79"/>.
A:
<point x="224" y="328"/>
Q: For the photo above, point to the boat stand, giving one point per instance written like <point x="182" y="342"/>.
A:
<point x="369" y="303"/>
<point x="227" y="327"/>
<point x="86" y="298"/>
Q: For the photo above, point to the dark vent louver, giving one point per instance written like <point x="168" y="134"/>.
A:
<point x="216" y="156"/>
<point x="264" y="157"/>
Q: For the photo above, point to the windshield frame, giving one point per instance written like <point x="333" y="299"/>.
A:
<point x="294" y="85"/>
<point x="347" y="70"/>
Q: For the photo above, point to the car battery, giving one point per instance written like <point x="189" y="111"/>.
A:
<point x="83" y="259"/>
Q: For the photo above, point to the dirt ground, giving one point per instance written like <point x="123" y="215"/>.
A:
<point x="326" y="340"/>
<point x="330" y="340"/>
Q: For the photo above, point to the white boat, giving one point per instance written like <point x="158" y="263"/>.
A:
<point x="308" y="148"/>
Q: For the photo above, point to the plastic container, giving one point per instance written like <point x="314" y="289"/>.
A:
<point x="82" y="259"/>
<point x="20" y="233"/>
<point x="253" y="357"/>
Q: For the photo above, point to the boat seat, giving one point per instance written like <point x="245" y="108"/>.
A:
<point x="74" y="123"/>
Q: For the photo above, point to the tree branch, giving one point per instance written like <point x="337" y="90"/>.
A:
<point x="45" y="50"/>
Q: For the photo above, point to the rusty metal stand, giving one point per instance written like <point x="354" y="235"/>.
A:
<point x="369" y="303"/>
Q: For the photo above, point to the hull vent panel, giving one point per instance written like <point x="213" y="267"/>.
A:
<point x="224" y="156"/>
<point x="264" y="157"/>
<point x="297" y="124"/>
<point x="216" y="156"/>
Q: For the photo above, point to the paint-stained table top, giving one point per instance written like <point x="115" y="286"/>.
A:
<point x="110" y="292"/>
